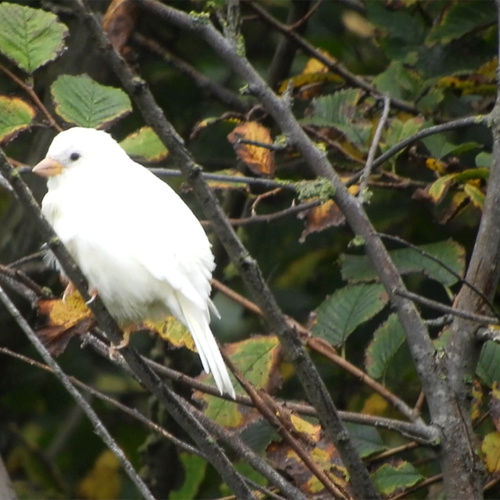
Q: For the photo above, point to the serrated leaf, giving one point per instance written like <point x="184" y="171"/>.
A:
<point x="488" y="367"/>
<point x="366" y="439"/>
<point x="491" y="449"/>
<point x="338" y="111"/>
<point x="145" y="144"/>
<point x="399" y="82"/>
<point x="30" y="37"/>
<point x="15" y="115"/>
<point x="459" y="19"/>
<point x="386" y="342"/>
<point x="390" y="478"/>
<point x="359" y="268"/>
<point x="339" y="315"/>
<point x="84" y="102"/>
<point x="257" y="359"/>
<point x="401" y="130"/>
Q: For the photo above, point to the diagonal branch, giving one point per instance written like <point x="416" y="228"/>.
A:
<point x="99" y="428"/>
<point x="146" y="376"/>
<point x="246" y="265"/>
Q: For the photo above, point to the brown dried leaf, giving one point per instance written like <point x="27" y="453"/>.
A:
<point x="119" y="23"/>
<point x="322" y="452"/>
<point x="495" y="405"/>
<point x="65" y="320"/>
<point x="321" y="217"/>
<point x="258" y="159"/>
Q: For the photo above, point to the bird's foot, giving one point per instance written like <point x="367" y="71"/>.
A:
<point x="113" y="349"/>
<point x="69" y="290"/>
<point x="93" y="294"/>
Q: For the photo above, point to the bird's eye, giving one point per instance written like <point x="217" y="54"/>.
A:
<point x="74" y="156"/>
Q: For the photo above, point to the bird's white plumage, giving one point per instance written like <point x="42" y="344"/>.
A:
<point x="137" y="242"/>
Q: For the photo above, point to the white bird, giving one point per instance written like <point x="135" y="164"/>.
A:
<point x="138" y="244"/>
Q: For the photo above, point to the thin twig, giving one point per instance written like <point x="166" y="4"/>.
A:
<point x="99" y="428"/>
<point x="144" y="374"/>
<point x="29" y="90"/>
<point x="134" y="413"/>
<point x="230" y="439"/>
<point x="333" y="66"/>
<point x="446" y="309"/>
<point x="246" y="265"/>
<point x="444" y="266"/>
<point x="365" y="176"/>
<point x="418" y="430"/>
<point x="223" y="95"/>
<point x="272" y="415"/>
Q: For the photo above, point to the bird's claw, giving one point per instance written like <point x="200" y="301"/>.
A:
<point x="93" y="294"/>
<point x="113" y="349"/>
<point x="69" y="290"/>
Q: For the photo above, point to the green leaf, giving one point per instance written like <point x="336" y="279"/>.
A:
<point x="483" y="160"/>
<point x="30" y="37"/>
<point x="339" y="315"/>
<point x="460" y="19"/>
<point x="366" y="439"/>
<point x="439" y="147"/>
<point x="399" y="131"/>
<point x="258" y="360"/>
<point x="430" y="101"/>
<point x="358" y="268"/>
<point x="84" y="102"/>
<point x="194" y="473"/>
<point x="476" y="196"/>
<point x="399" y="82"/>
<point x="15" y="115"/>
<point x="389" y="478"/>
<point x="145" y="144"/>
<point x="488" y="368"/>
<point x="385" y="344"/>
<point x="438" y="189"/>
<point x="339" y="111"/>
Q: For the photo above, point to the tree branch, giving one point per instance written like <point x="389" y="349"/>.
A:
<point x="246" y="265"/>
<point x="146" y="376"/>
<point x="99" y="428"/>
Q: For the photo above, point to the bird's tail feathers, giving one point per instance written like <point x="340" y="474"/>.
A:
<point x="197" y="323"/>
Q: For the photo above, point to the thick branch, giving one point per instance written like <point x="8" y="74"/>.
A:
<point x="99" y="428"/>
<point x="146" y="376"/>
<point x="247" y="266"/>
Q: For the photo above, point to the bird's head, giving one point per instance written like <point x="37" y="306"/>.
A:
<point x="78" y="148"/>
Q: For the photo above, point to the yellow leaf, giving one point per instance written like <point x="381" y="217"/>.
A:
<point x="173" y="331"/>
<point x="259" y="159"/>
<point x="315" y="66"/>
<point x="476" y="196"/>
<point x="436" y="165"/>
<point x="103" y="481"/>
<point x="491" y="450"/>
<point x="358" y="24"/>
<point x="375" y="405"/>
<point x="438" y="189"/>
